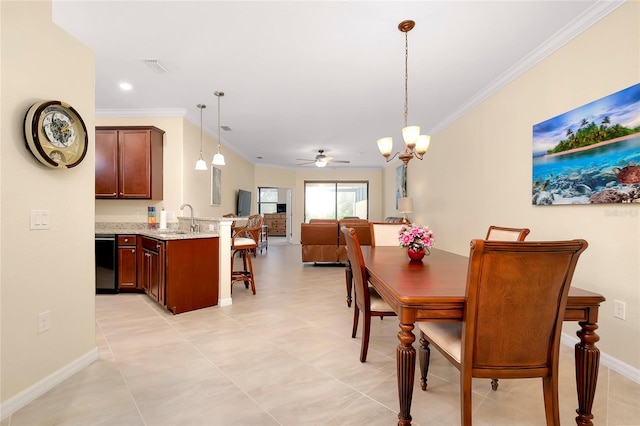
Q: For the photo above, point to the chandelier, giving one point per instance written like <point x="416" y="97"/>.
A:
<point x="218" y="159"/>
<point x="201" y="164"/>
<point x="415" y="144"/>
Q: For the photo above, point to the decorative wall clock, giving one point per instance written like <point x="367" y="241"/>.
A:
<point x="56" y="134"/>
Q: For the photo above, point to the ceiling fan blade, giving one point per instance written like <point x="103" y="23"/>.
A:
<point x="306" y="162"/>
<point x="304" y="159"/>
<point x="341" y="161"/>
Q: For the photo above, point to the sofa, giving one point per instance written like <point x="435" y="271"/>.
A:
<point x="322" y="241"/>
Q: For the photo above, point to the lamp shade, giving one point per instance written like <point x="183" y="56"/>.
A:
<point x="405" y="205"/>
<point x="422" y="145"/>
<point x="385" y="145"/>
<point x="218" y="160"/>
<point x="201" y="164"/>
<point x="410" y="135"/>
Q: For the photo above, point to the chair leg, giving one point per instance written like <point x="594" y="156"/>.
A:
<point x="348" y="275"/>
<point x="365" y="337"/>
<point x="551" y="408"/>
<point x="250" y="272"/>
<point x="425" y="357"/>
<point x="494" y="384"/>
<point x="244" y="265"/>
<point x="356" y="316"/>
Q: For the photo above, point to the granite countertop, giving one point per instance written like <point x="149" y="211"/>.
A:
<point x="172" y="233"/>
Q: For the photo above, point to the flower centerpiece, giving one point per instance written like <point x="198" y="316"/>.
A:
<point x="417" y="239"/>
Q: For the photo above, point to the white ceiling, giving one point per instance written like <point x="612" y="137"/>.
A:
<point x="300" y="76"/>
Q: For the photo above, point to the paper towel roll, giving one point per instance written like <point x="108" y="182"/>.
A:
<point x="163" y="219"/>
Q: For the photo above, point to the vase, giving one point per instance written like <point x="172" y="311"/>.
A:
<point x="416" y="255"/>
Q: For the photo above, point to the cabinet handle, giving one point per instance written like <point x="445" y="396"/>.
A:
<point x="133" y="250"/>
<point x="126" y="240"/>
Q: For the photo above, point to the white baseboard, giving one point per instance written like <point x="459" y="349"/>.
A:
<point x="224" y="302"/>
<point x="28" y="395"/>
<point x="608" y="361"/>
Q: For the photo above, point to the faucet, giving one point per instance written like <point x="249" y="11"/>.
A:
<point x="193" y="227"/>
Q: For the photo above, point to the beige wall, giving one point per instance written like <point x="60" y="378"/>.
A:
<point x="46" y="270"/>
<point x="478" y="172"/>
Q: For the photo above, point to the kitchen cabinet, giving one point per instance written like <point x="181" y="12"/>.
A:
<point x="127" y="262"/>
<point x="152" y="268"/>
<point x="129" y="162"/>
<point x="276" y="223"/>
<point x="181" y="274"/>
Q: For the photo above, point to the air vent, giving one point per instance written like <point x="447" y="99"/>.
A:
<point x="226" y="128"/>
<point x="155" y="66"/>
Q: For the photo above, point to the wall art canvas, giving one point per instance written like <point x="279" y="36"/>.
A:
<point x="401" y="183"/>
<point x="216" y="186"/>
<point x="590" y="155"/>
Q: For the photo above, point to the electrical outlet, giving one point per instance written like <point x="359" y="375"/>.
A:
<point x="619" y="309"/>
<point x="43" y="322"/>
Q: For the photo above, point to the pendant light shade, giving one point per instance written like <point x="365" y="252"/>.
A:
<point x="201" y="164"/>
<point x="218" y="158"/>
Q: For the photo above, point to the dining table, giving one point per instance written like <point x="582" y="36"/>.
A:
<point x="434" y="290"/>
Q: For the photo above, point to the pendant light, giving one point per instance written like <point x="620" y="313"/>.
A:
<point x="415" y="144"/>
<point x="218" y="159"/>
<point x="201" y="164"/>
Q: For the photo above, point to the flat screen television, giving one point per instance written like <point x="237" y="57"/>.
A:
<point x="243" y="206"/>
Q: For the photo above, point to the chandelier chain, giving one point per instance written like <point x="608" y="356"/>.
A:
<point x="406" y="79"/>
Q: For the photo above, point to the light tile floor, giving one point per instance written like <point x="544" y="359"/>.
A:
<point x="281" y="357"/>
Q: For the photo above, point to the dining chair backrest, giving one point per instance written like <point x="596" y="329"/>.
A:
<point x="354" y="254"/>
<point x="385" y="233"/>
<point x="528" y="281"/>
<point x="501" y="233"/>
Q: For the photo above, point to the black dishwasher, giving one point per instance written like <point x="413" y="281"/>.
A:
<point x="106" y="264"/>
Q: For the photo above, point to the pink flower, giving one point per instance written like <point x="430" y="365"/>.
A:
<point x="415" y="237"/>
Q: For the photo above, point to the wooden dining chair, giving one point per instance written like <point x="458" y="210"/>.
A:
<point x="367" y="298"/>
<point x="380" y="234"/>
<point x="500" y="233"/>
<point x="528" y="281"/>
<point x="243" y="241"/>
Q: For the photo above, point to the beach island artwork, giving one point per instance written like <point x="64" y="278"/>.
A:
<point x="590" y="155"/>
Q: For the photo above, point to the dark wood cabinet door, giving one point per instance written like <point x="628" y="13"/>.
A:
<point x="135" y="164"/>
<point x="156" y="283"/>
<point x="127" y="271"/>
<point x="106" y="163"/>
<point x="152" y="276"/>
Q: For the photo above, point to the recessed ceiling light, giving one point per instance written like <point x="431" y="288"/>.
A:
<point x="126" y="86"/>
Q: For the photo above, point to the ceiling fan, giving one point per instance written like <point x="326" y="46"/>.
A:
<point x="321" y="160"/>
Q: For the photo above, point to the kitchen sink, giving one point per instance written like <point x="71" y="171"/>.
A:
<point x="172" y="231"/>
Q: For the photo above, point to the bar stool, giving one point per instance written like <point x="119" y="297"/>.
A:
<point x="243" y="241"/>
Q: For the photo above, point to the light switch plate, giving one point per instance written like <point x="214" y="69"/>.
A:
<point x="39" y="219"/>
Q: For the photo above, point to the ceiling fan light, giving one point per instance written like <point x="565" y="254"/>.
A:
<point x="422" y="145"/>
<point x="321" y="163"/>
<point x="410" y="135"/>
<point x="218" y="160"/>
<point x="385" y="145"/>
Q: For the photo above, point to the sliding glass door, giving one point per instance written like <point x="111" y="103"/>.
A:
<point x="336" y="199"/>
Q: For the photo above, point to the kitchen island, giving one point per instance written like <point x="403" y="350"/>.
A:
<point x="180" y="270"/>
